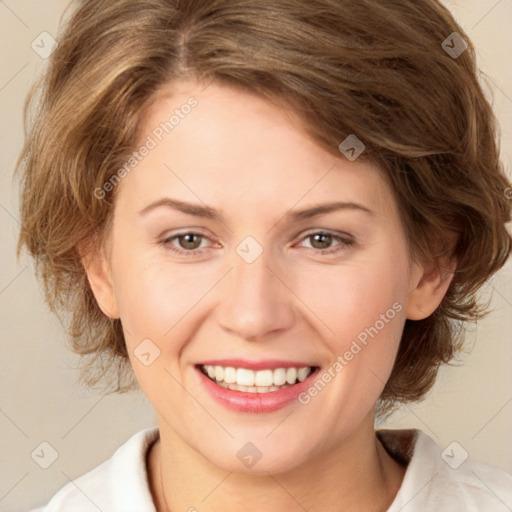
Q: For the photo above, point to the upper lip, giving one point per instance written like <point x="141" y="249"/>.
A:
<point x="262" y="364"/>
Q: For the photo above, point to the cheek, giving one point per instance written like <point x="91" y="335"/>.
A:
<point x="156" y="304"/>
<point x="348" y="300"/>
<point x="155" y="297"/>
<point x="362" y="317"/>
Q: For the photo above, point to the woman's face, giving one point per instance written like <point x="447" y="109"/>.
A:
<point x="242" y="274"/>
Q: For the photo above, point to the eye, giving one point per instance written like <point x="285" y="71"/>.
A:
<point x="189" y="243"/>
<point x="321" y="241"/>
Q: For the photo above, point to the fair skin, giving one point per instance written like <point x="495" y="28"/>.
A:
<point x="253" y="163"/>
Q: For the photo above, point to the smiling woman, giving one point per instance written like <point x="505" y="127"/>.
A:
<point x="293" y="256"/>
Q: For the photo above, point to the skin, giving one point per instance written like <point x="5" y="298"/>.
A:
<point x="253" y="162"/>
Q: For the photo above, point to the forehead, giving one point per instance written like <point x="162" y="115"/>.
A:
<point x="234" y="149"/>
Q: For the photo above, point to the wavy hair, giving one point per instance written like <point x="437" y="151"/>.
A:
<point x="376" y="69"/>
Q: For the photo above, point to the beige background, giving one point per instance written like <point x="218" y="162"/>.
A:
<point x="39" y="398"/>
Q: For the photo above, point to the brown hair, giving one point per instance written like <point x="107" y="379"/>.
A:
<point x="371" y="68"/>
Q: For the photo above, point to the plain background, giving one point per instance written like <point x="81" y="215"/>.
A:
<point x="39" y="397"/>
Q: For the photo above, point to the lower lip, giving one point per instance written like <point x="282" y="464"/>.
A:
<point x="254" y="402"/>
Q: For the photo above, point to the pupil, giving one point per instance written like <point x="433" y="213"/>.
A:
<point x="188" y="243"/>
<point x="325" y="243"/>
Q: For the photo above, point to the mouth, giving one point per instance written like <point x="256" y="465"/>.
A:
<point x="261" y="381"/>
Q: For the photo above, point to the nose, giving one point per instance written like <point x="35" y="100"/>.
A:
<point x="255" y="302"/>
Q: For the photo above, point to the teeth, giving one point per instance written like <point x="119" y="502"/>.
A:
<point x="261" y="381"/>
<point x="229" y="374"/>
<point x="252" y="389"/>
<point x="301" y="374"/>
<point x="291" y="375"/>
<point x="280" y="376"/>
<point x="243" y="376"/>
<point x="263" y="378"/>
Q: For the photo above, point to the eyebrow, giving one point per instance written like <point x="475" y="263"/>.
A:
<point x="291" y="216"/>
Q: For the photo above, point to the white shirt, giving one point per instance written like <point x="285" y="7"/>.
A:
<point x="431" y="484"/>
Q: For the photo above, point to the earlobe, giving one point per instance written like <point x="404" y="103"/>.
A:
<point x="98" y="275"/>
<point x="430" y="290"/>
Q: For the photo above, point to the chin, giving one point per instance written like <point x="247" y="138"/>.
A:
<point x="257" y="457"/>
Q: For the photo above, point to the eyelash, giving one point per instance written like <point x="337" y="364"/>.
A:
<point x="345" y="243"/>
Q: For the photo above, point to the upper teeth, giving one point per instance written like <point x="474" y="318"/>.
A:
<point x="245" y="377"/>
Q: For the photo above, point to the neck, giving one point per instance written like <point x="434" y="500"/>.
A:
<point x="357" y="475"/>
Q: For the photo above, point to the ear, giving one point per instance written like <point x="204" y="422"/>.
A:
<point x="96" y="267"/>
<point x="430" y="289"/>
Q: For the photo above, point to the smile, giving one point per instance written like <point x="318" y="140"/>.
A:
<point x="260" y="381"/>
